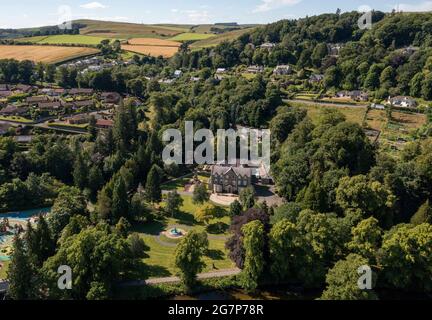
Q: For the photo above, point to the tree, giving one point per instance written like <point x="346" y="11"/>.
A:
<point x="153" y="189"/>
<point x="80" y="173"/>
<point x="370" y="197"/>
<point x="120" y="203"/>
<point x="285" y="245"/>
<point x="69" y="202"/>
<point x="366" y="239"/>
<point x="205" y="213"/>
<point x="427" y="87"/>
<point x="92" y="130"/>
<point x="342" y="281"/>
<point x="20" y="274"/>
<point x="423" y="215"/>
<point x="247" y="198"/>
<point x="95" y="181"/>
<point x="95" y="255"/>
<point x="45" y="243"/>
<point x="200" y="194"/>
<point x="406" y="248"/>
<point x="235" y="208"/>
<point x="173" y="203"/>
<point x="372" y="79"/>
<point x="235" y="242"/>
<point x="188" y="256"/>
<point x="253" y="243"/>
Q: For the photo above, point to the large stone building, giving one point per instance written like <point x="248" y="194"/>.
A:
<point x="229" y="179"/>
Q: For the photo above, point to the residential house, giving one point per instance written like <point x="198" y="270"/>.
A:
<point x="334" y="49"/>
<point x="12" y="110"/>
<point x="104" y="124"/>
<point x="377" y="106"/>
<point x="229" y="179"/>
<point x="402" y="102"/>
<point x="81" y="92"/>
<point x="49" y="106"/>
<point x="316" y="78"/>
<point x="282" y="70"/>
<point x="84" y="104"/>
<point x="220" y="72"/>
<point x="36" y="99"/>
<point x="111" y="97"/>
<point x="255" y="69"/>
<point x="355" y="95"/>
<point x="24" y="88"/>
<point x="5" y="93"/>
<point x="79" y="119"/>
<point x="268" y="45"/>
<point x="178" y="73"/>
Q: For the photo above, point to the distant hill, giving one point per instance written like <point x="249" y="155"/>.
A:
<point x="214" y="41"/>
<point x="124" y="30"/>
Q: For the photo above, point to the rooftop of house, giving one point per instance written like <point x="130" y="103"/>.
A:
<point x="239" y="171"/>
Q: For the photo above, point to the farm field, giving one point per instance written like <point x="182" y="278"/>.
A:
<point x="64" y="39"/>
<point x="153" y="42"/>
<point x="190" y="36"/>
<point x="47" y="54"/>
<point x="154" y="51"/>
<point x="217" y="39"/>
<point x="126" y="30"/>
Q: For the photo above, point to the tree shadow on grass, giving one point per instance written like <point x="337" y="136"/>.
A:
<point x="185" y="218"/>
<point x="153" y="228"/>
<point x="217" y="228"/>
<point x="156" y="271"/>
<point x="215" y="254"/>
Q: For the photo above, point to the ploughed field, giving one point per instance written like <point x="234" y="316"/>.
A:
<point x="153" y="47"/>
<point x="46" y="54"/>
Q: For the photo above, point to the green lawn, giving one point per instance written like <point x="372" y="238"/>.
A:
<point x="3" y="270"/>
<point x="161" y="254"/>
<point x="177" y="184"/>
<point x="64" y="39"/>
<point x="15" y="119"/>
<point x="190" y="36"/>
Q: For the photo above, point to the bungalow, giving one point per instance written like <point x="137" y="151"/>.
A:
<point x="315" y="78"/>
<point x="104" y="124"/>
<point x="5" y="93"/>
<point x="44" y="106"/>
<point x="111" y="97"/>
<point x="80" y="91"/>
<point x="282" y="70"/>
<point x="36" y="100"/>
<point x="84" y="103"/>
<point x="402" y="102"/>
<point x="79" y="119"/>
<point x="356" y="95"/>
<point x="255" y="69"/>
<point x="23" y="88"/>
<point x="12" y="110"/>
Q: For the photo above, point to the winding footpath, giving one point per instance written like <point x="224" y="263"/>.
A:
<point x="207" y="275"/>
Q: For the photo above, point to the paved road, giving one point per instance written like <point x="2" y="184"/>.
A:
<point x="207" y="275"/>
<point x="326" y="104"/>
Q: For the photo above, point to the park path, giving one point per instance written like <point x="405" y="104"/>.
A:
<point x="207" y="275"/>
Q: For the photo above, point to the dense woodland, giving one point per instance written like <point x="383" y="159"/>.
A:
<point x="347" y="202"/>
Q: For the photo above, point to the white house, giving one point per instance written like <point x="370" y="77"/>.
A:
<point x="402" y="102"/>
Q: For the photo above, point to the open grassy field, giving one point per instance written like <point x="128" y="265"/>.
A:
<point x="156" y="51"/>
<point x="64" y="39"/>
<point x="217" y="39"/>
<point x="47" y="54"/>
<point x="126" y="30"/>
<point x="153" y="42"/>
<point x="352" y="114"/>
<point x="190" y="36"/>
